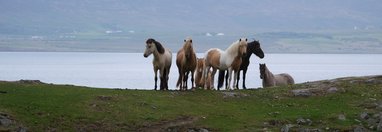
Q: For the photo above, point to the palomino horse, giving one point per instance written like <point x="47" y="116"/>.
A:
<point x="186" y="62"/>
<point x="252" y="48"/>
<point x="270" y="80"/>
<point x="162" y="62"/>
<point x="199" y="79"/>
<point x="222" y="60"/>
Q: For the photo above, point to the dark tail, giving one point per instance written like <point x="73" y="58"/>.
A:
<point x="165" y="78"/>
<point x="179" y="81"/>
<point x="221" y="78"/>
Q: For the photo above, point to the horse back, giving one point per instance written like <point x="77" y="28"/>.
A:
<point x="179" y="58"/>
<point x="212" y="58"/>
<point x="168" y="58"/>
<point x="284" y="79"/>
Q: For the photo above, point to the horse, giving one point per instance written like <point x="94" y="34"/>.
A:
<point x="270" y="80"/>
<point x="186" y="62"/>
<point x="252" y="48"/>
<point x="218" y="59"/>
<point x="199" y="79"/>
<point x="235" y="68"/>
<point x="161" y="61"/>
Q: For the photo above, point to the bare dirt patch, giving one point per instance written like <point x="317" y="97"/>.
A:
<point x="183" y="123"/>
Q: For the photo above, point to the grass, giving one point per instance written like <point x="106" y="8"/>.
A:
<point x="46" y="107"/>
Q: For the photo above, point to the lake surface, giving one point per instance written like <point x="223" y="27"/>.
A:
<point x="133" y="71"/>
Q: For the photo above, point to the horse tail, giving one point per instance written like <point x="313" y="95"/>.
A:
<point x="165" y="78"/>
<point x="291" y="80"/>
<point x="179" y="78"/>
<point x="221" y="78"/>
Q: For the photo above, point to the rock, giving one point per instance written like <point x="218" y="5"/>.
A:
<point x="373" y="81"/>
<point x="5" y="120"/>
<point x="360" y="129"/>
<point x="302" y="121"/>
<point x="286" y="128"/>
<point x="30" y="82"/>
<point x="379" y="126"/>
<point x="104" y="98"/>
<point x="341" y="117"/>
<point x="364" y="115"/>
<point x="203" y="130"/>
<point x="302" y="92"/>
<point x="379" y="105"/>
<point x="309" y="130"/>
<point x="372" y="122"/>
<point x="233" y="94"/>
<point x="197" y="130"/>
<point x="332" y="90"/>
<point x="22" y="129"/>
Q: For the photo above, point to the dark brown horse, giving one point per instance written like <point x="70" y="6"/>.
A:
<point x="186" y="62"/>
<point x="252" y="48"/>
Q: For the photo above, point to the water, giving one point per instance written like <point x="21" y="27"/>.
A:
<point x="133" y="71"/>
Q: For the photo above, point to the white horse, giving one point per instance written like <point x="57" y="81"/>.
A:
<point x="270" y="80"/>
<point x="162" y="62"/>
<point x="222" y="60"/>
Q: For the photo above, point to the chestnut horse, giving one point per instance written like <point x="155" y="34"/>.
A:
<point x="161" y="61"/>
<point x="270" y="80"/>
<point x="186" y="62"/>
<point x="199" y="79"/>
<point x="222" y="60"/>
<point x="252" y="48"/>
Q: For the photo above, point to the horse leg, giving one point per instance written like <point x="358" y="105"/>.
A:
<point x="185" y="85"/>
<point x="213" y="77"/>
<point x="226" y="80"/>
<point x="167" y="76"/>
<point x="235" y="80"/>
<point x="192" y="79"/>
<point x="179" y="82"/>
<point x="162" y="79"/>
<point x="229" y="78"/>
<point x="221" y="78"/>
<point x="206" y="71"/>
<point x="244" y="75"/>
<point x="155" y="78"/>
<point x="238" y="78"/>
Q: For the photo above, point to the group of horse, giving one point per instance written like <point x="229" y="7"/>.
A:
<point x="234" y="59"/>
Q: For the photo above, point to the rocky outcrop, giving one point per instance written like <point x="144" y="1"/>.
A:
<point x="7" y="123"/>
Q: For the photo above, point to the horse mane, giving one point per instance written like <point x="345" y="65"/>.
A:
<point x="158" y="45"/>
<point x="233" y="47"/>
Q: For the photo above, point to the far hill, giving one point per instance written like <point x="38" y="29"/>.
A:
<point x="293" y="26"/>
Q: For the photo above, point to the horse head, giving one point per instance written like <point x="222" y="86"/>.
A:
<point x="187" y="47"/>
<point x="254" y="47"/>
<point x="151" y="46"/>
<point x="262" y="68"/>
<point x="243" y="46"/>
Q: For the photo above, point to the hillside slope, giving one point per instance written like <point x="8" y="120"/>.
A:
<point x="340" y="104"/>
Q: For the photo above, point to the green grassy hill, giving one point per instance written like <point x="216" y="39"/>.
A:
<point x="340" y="104"/>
